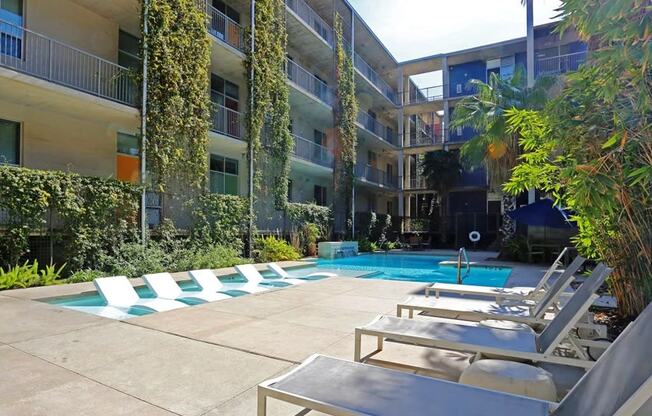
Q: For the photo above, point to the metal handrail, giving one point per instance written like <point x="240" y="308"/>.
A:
<point x="460" y="254"/>
<point x="374" y="175"/>
<point x="560" y="64"/>
<point x="371" y="124"/>
<point x="418" y="182"/>
<point x="312" y="19"/>
<point x="421" y="138"/>
<point x="224" y="28"/>
<point x="423" y="95"/>
<point x="372" y="76"/>
<point x="29" y="52"/>
<point x="312" y="152"/>
<point x="308" y="82"/>
<point x="226" y="121"/>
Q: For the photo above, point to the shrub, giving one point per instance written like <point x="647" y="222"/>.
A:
<point x="365" y="246"/>
<point x="308" y="236"/>
<point x="274" y="249"/>
<point x="210" y="257"/>
<point x="29" y="275"/>
<point x="221" y="219"/>
<point x="318" y="215"/>
<point x="86" y="275"/>
<point x="515" y="249"/>
<point x="134" y="259"/>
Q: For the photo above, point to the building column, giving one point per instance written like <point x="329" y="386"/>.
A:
<point x="446" y="92"/>
<point x="401" y="143"/>
<point x="531" y="193"/>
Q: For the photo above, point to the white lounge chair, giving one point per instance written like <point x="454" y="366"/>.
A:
<point x="477" y="309"/>
<point x="119" y="293"/>
<point x="480" y="338"/>
<point x="207" y="280"/>
<point x="252" y="275"/>
<point x="281" y="273"/>
<point x="164" y="286"/>
<point x="500" y="293"/>
<point x="619" y="384"/>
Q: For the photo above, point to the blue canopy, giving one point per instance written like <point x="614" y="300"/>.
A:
<point x="542" y="213"/>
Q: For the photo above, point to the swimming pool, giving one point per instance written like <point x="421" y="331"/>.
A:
<point x="416" y="268"/>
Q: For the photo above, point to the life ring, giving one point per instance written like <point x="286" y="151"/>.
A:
<point x="474" y="236"/>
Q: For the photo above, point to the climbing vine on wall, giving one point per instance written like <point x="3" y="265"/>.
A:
<point x="270" y="114"/>
<point x="347" y="109"/>
<point x="178" y="107"/>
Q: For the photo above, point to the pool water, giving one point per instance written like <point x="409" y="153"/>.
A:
<point x="417" y="268"/>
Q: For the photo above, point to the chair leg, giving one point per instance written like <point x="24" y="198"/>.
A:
<point x="262" y="403"/>
<point x="357" y="346"/>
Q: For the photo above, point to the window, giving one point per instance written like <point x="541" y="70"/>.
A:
<point x="390" y="207"/>
<point x="153" y="208"/>
<point x="320" y="195"/>
<point x="289" y="190"/>
<point x="371" y="159"/>
<point x="9" y="142"/>
<point x="225" y="93"/>
<point x="223" y="175"/>
<point x="372" y="204"/>
<point x="230" y="12"/>
<point x="128" y="158"/>
<point x="11" y="34"/>
<point x="128" y="50"/>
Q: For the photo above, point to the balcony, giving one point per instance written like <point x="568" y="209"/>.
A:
<point x="224" y="28"/>
<point x="307" y="82"/>
<point x="312" y="152"/>
<point x="561" y="64"/>
<point x="418" y="182"/>
<point x="423" y="95"/>
<point x="430" y="137"/>
<point x="372" y="76"/>
<point x="372" y="125"/>
<point x="31" y="53"/>
<point x="311" y="19"/>
<point x="367" y="173"/>
<point x="226" y="121"/>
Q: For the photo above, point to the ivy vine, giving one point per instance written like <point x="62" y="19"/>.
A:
<point x="178" y="106"/>
<point x="271" y="108"/>
<point x="346" y="113"/>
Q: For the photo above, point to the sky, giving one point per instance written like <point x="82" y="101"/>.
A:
<point x="413" y="29"/>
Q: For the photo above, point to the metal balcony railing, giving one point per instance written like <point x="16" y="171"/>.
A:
<point x="309" y="83"/>
<point x="308" y="150"/>
<point x="377" y="176"/>
<point x="224" y="28"/>
<point x="426" y="138"/>
<point x="226" y="121"/>
<point x="423" y="95"/>
<point x="31" y="53"/>
<point x="372" y="125"/>
<point x="312" y="19"/>
<point x="418" y="182"/>
<point x="368" y="72"/>
<point x="561" y="64"/>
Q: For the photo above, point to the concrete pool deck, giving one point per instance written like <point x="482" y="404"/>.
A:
<point x="203" y="360"/>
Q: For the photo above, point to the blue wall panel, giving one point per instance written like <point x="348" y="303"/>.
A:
<point x="461" y="74"/>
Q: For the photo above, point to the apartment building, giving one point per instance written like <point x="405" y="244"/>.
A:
<point x="67" y="102"/>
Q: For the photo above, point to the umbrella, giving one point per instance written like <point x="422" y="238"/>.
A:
<point x="542" y="213"/>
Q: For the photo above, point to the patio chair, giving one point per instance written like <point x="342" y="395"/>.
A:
<point x="252" y="275"/>
<point x="281" y="273"/>
<point x="164" y="286"/>
<point x="207" y="281"/>
<point x="487" y="339"/>
<point x="119" y="293"/>
<point x="476" y="310"/>
<point x="619" y="384"/>
<point x="500" y="293"/>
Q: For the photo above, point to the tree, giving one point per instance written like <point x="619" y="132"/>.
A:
<point x="494" y="146"/>
<point x="591" y="147"/>
<point x="442" y="171"/>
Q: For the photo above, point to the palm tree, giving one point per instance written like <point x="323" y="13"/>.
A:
<point x="495" y="146"/>
<point x="442" y="171"/>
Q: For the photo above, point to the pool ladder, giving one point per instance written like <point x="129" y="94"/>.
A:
<point x="462" y="256"/>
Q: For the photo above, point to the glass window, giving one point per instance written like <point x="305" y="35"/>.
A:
<point x="127" y="159"/>
<point x="128" y="144"/>
<point x="223" y="175"/>
<point x="9" y="142"/>
<point x="320" y="195"/>
<point x="12" y="11"/>
<point x="128" y="50"/>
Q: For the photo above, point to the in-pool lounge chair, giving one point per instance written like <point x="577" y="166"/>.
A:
<point x="207" y="281"/>
<point x="500" y="293"/>
<point x="252" y="275"/>
<point x="619" y="384"/>
<point x="282" y="274"/>
<point x="164" y="286"/>
<point x="119" y="293"/>
<point x="487" y="338"/>
<point x="477" y="309"/>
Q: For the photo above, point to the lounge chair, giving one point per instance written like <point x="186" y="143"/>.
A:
<point x="500" y="293"/>
<point x="119" y="293"/>
<point x="164" y="286"/>
<point x="619" y="384"/>
<point x="486" y="339"/>
<point x="281" y="273"/>
<point x="207" y="281"/>
<point x="252" y="275"/>
<point x="476" y="310"/>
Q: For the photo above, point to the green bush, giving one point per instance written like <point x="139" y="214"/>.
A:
<point x="366" y="246"/>
<point x="515" y="249"/>
<point x="318" y="215"/>
<point x="221" y="219"/>
<point x="29" y="275"/>
<point x="209" y="257"/>
<point x="308" y="236"/>
<point x="274" y="249"/>
<point x="86" y="275"/>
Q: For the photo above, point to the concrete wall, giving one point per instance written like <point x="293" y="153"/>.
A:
<point x="75" y="25"/>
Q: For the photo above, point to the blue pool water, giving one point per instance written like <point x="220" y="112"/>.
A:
<point x="416" y="268"/>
